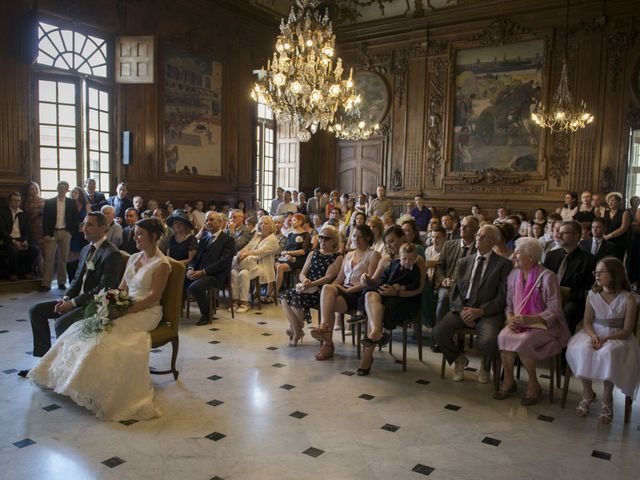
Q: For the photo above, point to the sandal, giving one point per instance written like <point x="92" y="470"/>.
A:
<point x="582" y="410"/>
<point x="606" y="413"/>
<point x="322" y="334"/>
<point x="503" y="394"/>
<point x="268" y="300"/>
<point x="325" y="352"/>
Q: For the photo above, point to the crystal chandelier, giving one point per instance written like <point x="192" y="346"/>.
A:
<point x="301" y="84"/>
<point x="563" y="116"/>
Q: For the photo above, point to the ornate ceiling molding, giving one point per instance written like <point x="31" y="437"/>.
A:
<point x="560" y="157"/>
<point x="622" y="38"/>
<point x="492" y="176"/>
<point x="499" y="32"/>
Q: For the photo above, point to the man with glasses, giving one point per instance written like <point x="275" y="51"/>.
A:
<point x="574" y="268"/>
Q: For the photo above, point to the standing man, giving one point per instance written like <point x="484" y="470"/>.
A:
<point x="120" y="202"/>
<point x="14" y="231"/>
<point x="99" y="267"/>
<point x="211" y="264"/>
<point x="421" y="213"/>
<point x="381" y="205"/>
<point x="128" y="240"/>
<point x="313" y="204"/>
<point x="237" y="230"/>
<point x="95" y="198"/>
<point x="59" y="221"/>
<point x="275" y="203"/>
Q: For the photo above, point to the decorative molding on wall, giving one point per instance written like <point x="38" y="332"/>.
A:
<point x="400" y="67"/>
<point x="374" y="63"/>
<point x="499" y="32"/>
<point x="437" y="87"/>
<point x="492" y="176"/>
<point x="412" y="173"/>
<point x="607" y="180"/>
<point x="487" y="188"/>
<point x="134" y="59"/>
<point x="396" y="181"/>
<point x="560" y="157"/>
<point x="622" y="38"/>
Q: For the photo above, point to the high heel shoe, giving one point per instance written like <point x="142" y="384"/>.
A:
<point x="322" y="333"/>
<point x="295" y="339"/>
<point x="363" y="372"/>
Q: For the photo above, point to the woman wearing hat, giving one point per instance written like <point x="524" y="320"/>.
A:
<point x="183" y="244"/>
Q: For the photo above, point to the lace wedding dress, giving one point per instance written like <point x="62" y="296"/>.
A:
<point x="108" y="373"/>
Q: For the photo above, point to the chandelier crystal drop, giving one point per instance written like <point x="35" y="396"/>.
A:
<point x="351" y="126"/>
<point x="302" y="83"/>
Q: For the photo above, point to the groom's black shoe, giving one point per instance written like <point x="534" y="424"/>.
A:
<point x="23" y="373"/>
<point x="204" y="320"/>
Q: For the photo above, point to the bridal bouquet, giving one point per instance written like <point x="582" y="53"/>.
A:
<point x="103" y="309"/>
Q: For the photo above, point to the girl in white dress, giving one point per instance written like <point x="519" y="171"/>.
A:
<point x="606" y="349"/>
<point x="109" y="373"/>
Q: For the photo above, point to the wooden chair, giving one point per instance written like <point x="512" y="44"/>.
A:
<point x="417" y="317"/>
<point x="213" y="294"/>
<point x="254" y="289"/>
<point x="628" y="401"/>
<point x="167" y="329"/>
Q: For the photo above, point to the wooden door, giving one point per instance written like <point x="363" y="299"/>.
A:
<point x="287" y="159"/>
<point x="360" y="165"/>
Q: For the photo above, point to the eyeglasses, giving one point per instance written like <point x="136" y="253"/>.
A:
<point x="324" y="237"/>
<point x="599" y="272"/>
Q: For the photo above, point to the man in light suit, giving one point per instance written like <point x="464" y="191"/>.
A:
<point x="478" y="300"/>
<point x="597" y="245"/>
<point x="236" y="229"/>
<point x="211" y="264"/>
<point x="99" y="267"/>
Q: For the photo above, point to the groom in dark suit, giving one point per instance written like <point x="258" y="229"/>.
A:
<point x="211" y="264"/>
<point x="478" y="300"/>
<point x="99" y="267"/>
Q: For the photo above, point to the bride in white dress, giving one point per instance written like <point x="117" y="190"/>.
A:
<point x="109" y="373"/>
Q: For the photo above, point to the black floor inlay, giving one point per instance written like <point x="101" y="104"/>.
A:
<point x="113" y="462"/>
<point x="278" y="365"/>
<point x="298" y="414"/>
<point x="470" y="369"/>
<point x="262" y="323"/>
<point x="423" y="469"/>
<point x="214" y="377"/>
<point x="215" y="357"/>
<point x="215" y="403"/>
<point x="156" y="350"/>
<point x="544" y="375"/>
<point x="215" y="436"/>
<point x="366" y="396"/>
<point x="423" y="382"/>
<point x="266" y="334"/>
<point x="10" y="371"/>
<point x="127" y="423"/>
<point x="4" y="331"/>
<point x="491" y="441"/>
<point x="24" y="443"/>
<point x="257" y="313"/>
<point x="29" y="353"/>
<point x="286" y="386"/>
<point x="348" y="373"/>
<point x="51" y="408"/>
<point x="313" y="452"/>
<point x="545" y="418"/>
<point x="601" y="455"/>
<point x="214" y="329"/>
<point x="216" y="478"/>
<point x="272" y="348"/>
<point x="21" y="320"/>
<point x="452" y="407"/>
<point x="390" y="428"/>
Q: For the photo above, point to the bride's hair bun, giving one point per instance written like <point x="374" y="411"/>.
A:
<point x="153" y="226"/>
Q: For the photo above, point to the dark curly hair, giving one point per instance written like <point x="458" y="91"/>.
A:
<point x="153" y="226"/>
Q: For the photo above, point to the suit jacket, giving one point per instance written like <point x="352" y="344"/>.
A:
<point x="578" y="276"/>
<point x="49" y="216"/>
<point x="448" y="261"/>
<point x="97" y="201"/>
<point x="214" y="259"/>
<point x="107" y="263"/>
<point x="492" y="291"/>
<point x="120" y="206"/>
<point x="6" y="225"/>
<point x="242" y="236"/>
<point x="606" y="249"/>
<point x="128" y="243"/>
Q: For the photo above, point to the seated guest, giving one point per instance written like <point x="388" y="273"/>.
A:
<point x="336" y="214"/>
<point x="236" y="229"/>
<point x="96" y="199"/>
<point x="586" y="211"/>
<point x="596" y="203"/>
<point x="295" y="250"/>
<point x="182" y="244"/>
<point x="433" y="251"/>
<point x="452" y="229"/>
<point x="478" y="300"/>
<point x="302" y="203"/>
<point x="251" y="223"/>
<point x="536" y="328"/>
<point x="503" y="214"/>
<point x="14" y="239"/>
<point x="138" y="204"/>
<point x="540" y="217"/>
<point x="211" y="264"/>
<point x="114" y="229"/>
<point x="342" y="294"/>
<point x="444" y="276"/>
<point x="377" y="228"/>
<point x="320" y="268"/>
<point x="536" y="231"/>
<point x="507" y="232"/>
<point x="516" y="222"/>
<point x="387" y="220"/>
<point x="333" y="202"/>
<point x="128" y="233"/>
<point x="287" y="205"/>
<point x="152" y="205"/>
<point x="275" y="203"/>
<point x="255" y="260"/>
<point x="314" y="207"/>
<point x="358" y="218"/>
<point x="169" y="207"/>
<point x="348" y="206"/>
<point x="617" y="222"/>
<point x="574" y="268"/>
<point x="120" y="202"/>
<point x="421" y="213"/>
<point x="198" y="215"/>
<point x="570" y="207"/>
<point x="597" y="245"/>
<point x="412" y="235"/>
<point x="99" y="267"/>
<point x="606" y="348"/>
<point x="163" y="242"/>
<point x="396" y="298"/>
<point x="146" y="214"/>
<point x="433" y="223"/>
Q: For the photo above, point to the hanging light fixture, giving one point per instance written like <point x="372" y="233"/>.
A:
<point x="302" y="84"/>
<point x="563" y="116"/>
<point x="348" y="123"/>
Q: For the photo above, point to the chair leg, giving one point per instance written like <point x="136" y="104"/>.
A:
<point x="342" y="326"/>
<point x="497" y="367"/>
<point x="419" y="332"/>
<point x="628" y="401"/>
<point x="518" y="367"/>
<point x="565" y="386"/>
<point x="358" y="334"/>
<point x="559" y="358"/>
<point x="175" y="343"/>
<point x="405" y="325"/>
<point x="552" y="374"/>
<point x="442" y="367"/>
<point x="188" y="304"/>
<point x="233" y="314"/>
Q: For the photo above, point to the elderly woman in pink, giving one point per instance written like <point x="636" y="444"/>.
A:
<point x="536" y="328"/>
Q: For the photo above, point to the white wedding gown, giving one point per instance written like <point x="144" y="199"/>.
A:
<point x="108" y="373"/>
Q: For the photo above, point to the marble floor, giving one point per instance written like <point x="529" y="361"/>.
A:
<point x="247" y="406"/>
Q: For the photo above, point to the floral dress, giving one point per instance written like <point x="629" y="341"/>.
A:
<point x="317" y="269"/>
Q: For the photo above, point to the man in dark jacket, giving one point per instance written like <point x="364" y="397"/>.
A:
<point x="21" y="254"/>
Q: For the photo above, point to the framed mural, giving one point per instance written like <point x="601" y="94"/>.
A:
<point x="375" y="96"/>
<point x="495" y="89"/>
<point x="192" y="113"/>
